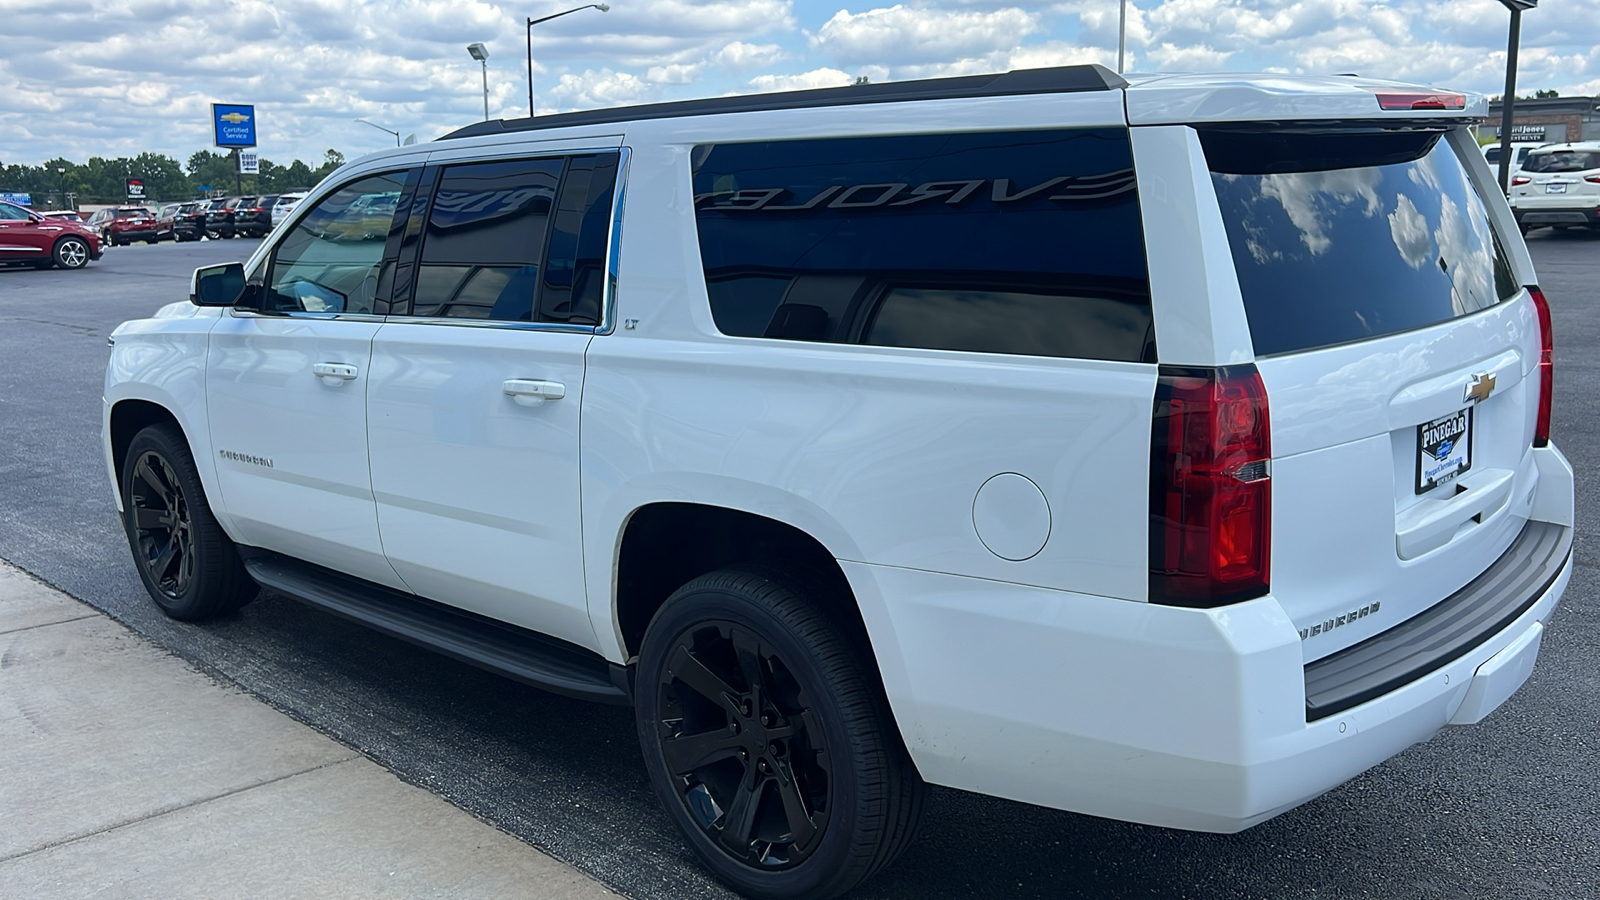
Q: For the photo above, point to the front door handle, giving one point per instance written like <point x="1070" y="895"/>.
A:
<point x="335" y="373"/>
<point x="533" y="393"/>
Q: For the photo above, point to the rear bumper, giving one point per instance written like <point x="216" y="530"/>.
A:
<point x="1193" y="719"/>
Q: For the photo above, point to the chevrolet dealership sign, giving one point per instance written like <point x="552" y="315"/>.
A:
<point x="233" y="125"/>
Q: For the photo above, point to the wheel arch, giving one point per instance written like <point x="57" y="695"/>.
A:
<point x="665" y="544"/>
<point x="127" y="418"/>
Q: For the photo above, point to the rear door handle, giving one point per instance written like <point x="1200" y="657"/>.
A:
<point x="335" y="373"/>
<point x="533" y="393"/>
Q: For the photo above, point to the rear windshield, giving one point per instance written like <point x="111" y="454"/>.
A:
<point x="1562" y="161"/>
<point x="1341" y="237"/>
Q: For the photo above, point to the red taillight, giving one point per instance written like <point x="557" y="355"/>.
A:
<point x="1541" y="424"/>
<point x="1414" y="100"/>
<point x="1210" y="487"/>
<point x="1520" y="179"/>
<point x="1592" y="179"/>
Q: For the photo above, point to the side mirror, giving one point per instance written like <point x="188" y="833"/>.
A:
<point x="217" y="285"/>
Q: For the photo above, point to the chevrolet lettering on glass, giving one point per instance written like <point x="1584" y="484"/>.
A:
<point x="1062" y="188"/>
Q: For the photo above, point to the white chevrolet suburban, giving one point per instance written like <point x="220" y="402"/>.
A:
<point x="1171" y="450"/>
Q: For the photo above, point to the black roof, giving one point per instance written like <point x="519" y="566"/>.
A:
<point x="1059" y="80"/>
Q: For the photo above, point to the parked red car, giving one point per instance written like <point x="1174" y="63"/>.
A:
<point x="125" y="224"/>
<point x="27" y="238"/>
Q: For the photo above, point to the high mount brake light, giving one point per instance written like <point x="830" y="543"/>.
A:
<point x="1210" y="487"/>
<point x="1541" y="423"/>
<point x="1416" y="100"/>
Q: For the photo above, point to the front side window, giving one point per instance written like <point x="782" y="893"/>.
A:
<point x="13" y="213"/>
<point x="1349" y="235"/>
<point x="330" y="260"/>
<point x="1012" y="242"/>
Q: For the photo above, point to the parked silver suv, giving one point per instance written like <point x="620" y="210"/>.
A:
<point x="1112" y="446"/>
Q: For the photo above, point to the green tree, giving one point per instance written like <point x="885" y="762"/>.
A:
<point x="1545" y="95"/>
<point x="331" y="160"/>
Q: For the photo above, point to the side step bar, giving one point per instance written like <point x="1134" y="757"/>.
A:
<point x="531" y="658"/>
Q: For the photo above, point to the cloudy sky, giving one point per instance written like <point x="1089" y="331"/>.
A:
<point x="117" y="77"/>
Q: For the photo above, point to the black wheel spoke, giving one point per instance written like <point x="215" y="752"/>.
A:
<point x="801" y="826"/>
<point x="693" y="673"/>
<point x="748" y="649"/>
<point x="159" y="566"/>
<point x="685" y="753"/>
<point x="148" y="475"/>
<point x="740" y="819"/>
<point x="146" y="519"/>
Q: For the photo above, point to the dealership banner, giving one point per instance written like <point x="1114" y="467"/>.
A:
<point x="233" y="125"/>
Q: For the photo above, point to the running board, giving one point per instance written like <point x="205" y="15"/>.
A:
<point x="526" y="656"/>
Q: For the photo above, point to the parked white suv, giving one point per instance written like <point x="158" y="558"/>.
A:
<point x="1104" y="446"/>
<point x="1559" y="186"/>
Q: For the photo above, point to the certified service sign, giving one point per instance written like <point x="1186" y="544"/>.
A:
<point x="233" y="125"/>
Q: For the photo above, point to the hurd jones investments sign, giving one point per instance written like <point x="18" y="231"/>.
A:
<point x="233" y="125"/>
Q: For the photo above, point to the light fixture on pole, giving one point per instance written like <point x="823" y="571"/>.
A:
<point x="532" y="22"/>
<point x="1516" y="7"/>
<point x="481" y="53"/>
<point x="381" y="128"/>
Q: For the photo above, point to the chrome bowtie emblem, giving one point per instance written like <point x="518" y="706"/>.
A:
<point x="1480" y="388"/>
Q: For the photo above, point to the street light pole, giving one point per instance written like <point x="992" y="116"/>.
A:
<point x="1516" y="7"/>
<point x="381" y="128"/>
<point x="62" y="171"/>
<point x="481" y="53"/>
<point x="1122" y="35"/>
<point x="532" y="22"/>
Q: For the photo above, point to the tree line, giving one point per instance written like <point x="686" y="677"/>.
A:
<point x="102" y="180"/>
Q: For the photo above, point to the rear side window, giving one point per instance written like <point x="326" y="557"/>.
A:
<point x="1562" y="161"/>
<point x="484" y="239"/>
<point x="1344" y="236"/>
<point x="1011" y="242"/>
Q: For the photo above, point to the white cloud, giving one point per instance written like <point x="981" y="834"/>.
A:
<point x="594" y="90"/>
<point x="816" y="78"/>
<point x="901" y="34"/>
<point x="739" y="55"/>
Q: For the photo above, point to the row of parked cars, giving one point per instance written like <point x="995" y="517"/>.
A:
<point x="223" y="218"/>
<point x="1553" y="185"/>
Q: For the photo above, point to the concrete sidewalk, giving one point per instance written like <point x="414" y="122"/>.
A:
<point x="125" y="773"/>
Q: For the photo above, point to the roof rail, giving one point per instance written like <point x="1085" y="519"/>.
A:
<point x="1058" y="80"/>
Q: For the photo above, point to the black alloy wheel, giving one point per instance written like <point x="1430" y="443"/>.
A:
<point x="741" y="739"/>
<point x="768" y="742"/>
<point x="163" y="530"/>
<point x="187" y="563"/>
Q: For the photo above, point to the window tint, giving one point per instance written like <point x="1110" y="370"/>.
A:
<point x="484" y="239"/>
<point x="1019" y="242"/>
<point x="579" y="235"/>
<point x="1340" y="237"/>
<point x="329" y="261"/>
<point x="1562" y="161"/>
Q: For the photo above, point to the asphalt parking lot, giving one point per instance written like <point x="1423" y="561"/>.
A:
<point x="1506" y="809"/>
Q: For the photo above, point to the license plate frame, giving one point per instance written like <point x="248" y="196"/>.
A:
<point x="1444" y="449"/>
<point x="1558" y="188"/>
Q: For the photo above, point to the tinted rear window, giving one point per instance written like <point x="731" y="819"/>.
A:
<point x="1340" y="237"/>
<point x="1562" y="161"/>
<point x="1015" y="242"/>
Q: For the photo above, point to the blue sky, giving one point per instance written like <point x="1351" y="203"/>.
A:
<point x="118" y="77"/>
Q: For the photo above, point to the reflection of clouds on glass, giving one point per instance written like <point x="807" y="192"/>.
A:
<point x="1311" y="198"/>
<point x="1425" y="171"/>
<point x="1410" y="232"/>
<point x="1464" y="244"/>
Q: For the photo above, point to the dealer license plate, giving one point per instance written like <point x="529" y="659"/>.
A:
<point x="1444" y="449"/>
<point x="1555" y="189"/>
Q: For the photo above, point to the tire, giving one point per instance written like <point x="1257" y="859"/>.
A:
<point x="187" y="563"/>
<point x="805" y="765"/>
<point x="71" y="253"/>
